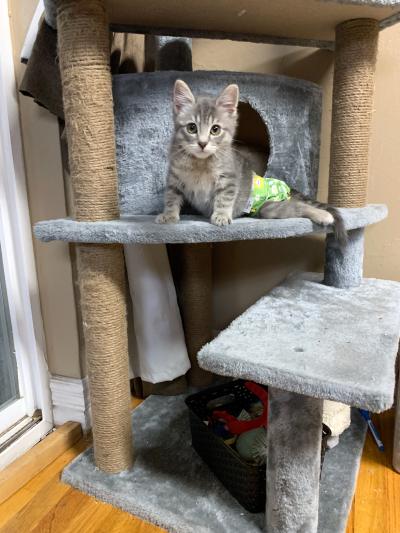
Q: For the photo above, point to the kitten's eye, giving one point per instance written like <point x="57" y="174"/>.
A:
<point x="191" y="128"/>
<point x="215" y="130"/>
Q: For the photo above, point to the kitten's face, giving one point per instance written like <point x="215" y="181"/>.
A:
<point x="204" y="126"/>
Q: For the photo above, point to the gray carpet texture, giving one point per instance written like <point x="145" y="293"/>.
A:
<point x="171" y="487"/>
<point x="320" y="341"/>
<point x="142" y="229"/>
<point x="293" y="462"/>
<point x="344" y="264"/>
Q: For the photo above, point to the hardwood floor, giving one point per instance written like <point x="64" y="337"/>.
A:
<point x="45" y="505"/>
<point x="376" y="505"/>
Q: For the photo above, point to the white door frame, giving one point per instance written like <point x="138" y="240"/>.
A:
<point x="19" y="266"/>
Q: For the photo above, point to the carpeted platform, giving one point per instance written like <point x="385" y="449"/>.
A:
<point x="171" y="487"/>
<point x="142" y="229"/>
<point x="298" y="338"/>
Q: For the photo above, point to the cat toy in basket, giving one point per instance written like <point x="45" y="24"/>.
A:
<point x="236" y="426"/>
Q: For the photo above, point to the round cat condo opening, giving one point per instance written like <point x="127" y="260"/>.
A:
<point x="282" y="115"/>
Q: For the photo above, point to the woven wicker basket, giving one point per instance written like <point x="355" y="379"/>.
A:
<point x="245" y="481"/>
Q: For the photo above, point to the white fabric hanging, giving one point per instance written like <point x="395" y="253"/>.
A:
<point x="161" y="349"/>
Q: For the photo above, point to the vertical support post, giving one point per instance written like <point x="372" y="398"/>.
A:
<point x="195" y="298"/>
<point x="195" y="260"/>
<point x="84" y="52"/>
<point x="168" y="53"/>
<point x="293" y="462"/>
<point x="344" y="264"/>
<point x="352" y="106"/>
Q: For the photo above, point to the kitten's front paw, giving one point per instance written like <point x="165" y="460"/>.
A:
<point x="220" y="219"/>
<point x="167" y="218"/>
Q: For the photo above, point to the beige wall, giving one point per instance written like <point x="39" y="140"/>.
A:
<point x="242" y="271"/>
<point x="382" y="258"/>
<point x="46" y="200"/>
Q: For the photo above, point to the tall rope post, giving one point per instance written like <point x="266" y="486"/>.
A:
<point x="352" y="107"/>
<point x="84" y="52"/>
<point x="195" y="299"/>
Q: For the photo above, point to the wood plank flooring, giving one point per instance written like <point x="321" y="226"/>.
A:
<point x="45" y="505"/>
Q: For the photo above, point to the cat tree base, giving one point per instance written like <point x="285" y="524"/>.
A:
<point x="165" y="456"/>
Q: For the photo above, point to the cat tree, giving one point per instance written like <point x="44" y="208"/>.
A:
<point x="352" y="29"/>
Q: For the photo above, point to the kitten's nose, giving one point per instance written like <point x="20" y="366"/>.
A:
<point x="202" y="144"/>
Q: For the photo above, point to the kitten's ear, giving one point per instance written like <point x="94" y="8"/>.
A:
<point x="183" y="96"/>
<point x="229" y="98"/>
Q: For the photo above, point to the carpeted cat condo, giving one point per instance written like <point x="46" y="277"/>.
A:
<point x="277" y="114"/>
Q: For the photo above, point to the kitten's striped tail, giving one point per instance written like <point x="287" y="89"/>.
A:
<point x="339" y="229"/>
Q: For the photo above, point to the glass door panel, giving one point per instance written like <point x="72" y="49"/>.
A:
<point x="9" y="390"/>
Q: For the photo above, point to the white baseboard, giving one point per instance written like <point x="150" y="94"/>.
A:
<point x="70" y="401"/>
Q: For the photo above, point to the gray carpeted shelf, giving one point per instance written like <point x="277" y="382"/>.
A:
<point x="142" y="229"/>
<point x="315" y="340"/>
<point x="301" y="22"/>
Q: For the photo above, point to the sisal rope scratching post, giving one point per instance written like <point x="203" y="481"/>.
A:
<point x="195" y="299"/>
<point x="84" y="52"/>
<point x="352" y="106"/>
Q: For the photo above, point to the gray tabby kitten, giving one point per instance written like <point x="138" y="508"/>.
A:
<point x="215" y="175"/>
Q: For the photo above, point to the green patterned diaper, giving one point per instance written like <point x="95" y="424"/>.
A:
<point x="266" y="190"/>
